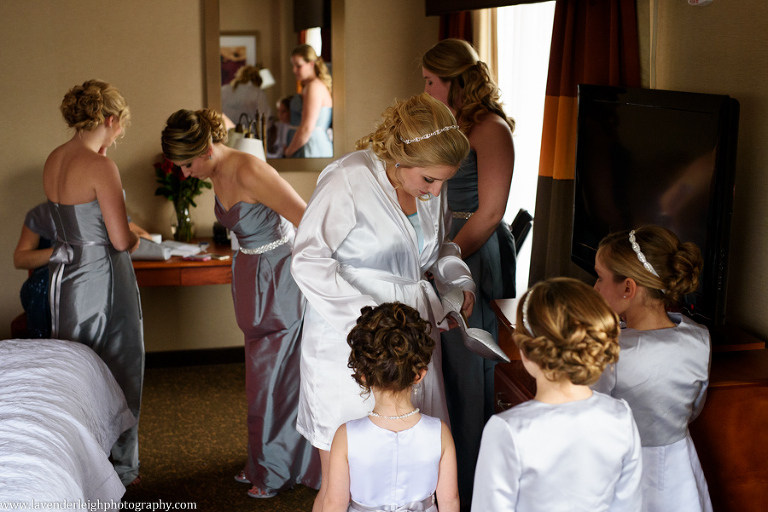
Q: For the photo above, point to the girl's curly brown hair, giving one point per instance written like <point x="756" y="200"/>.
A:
<point x="390" y="346"/>
<point x="85" y="107"/>
<point x="189" y="133"/>
<point x="575" y="334"/>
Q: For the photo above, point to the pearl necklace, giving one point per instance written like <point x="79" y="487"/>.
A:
<point x="377" y="415"/>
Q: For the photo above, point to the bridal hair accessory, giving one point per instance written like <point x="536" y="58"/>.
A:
<point x="424" y="137"/>
<point x="525" y="313"/>
<point x="640" y="255"/>
<point x="402" y="416"/>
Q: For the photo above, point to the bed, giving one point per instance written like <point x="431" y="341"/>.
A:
<point x="60" y="412"/>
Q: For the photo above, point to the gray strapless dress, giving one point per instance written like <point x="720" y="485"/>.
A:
<point x="469" y="377"/>
<point x="319" y="144"/>
<point x="270" y="311"/>
<point x="95" y="300"/>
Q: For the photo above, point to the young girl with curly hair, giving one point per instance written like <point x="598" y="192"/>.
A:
<point x="395" y="458"/>
<point x="663" y="372"/>
<point x="569" y="448"/>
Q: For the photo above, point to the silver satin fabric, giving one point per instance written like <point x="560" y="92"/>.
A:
<point x="582" y="456"/>
<point x="355" y="247"/>
<point x="389" y="470"/>
<point x="663" y="374"/>
<point x="469" y="378"/>
<point x="269" y="309"/>
<point x="95" y="300"/>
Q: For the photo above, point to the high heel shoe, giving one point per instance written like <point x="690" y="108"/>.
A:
<point x="479" y="341"/>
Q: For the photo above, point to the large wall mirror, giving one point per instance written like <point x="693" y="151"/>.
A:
<point x="266" y="28"/>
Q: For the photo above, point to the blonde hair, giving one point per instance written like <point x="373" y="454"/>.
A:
<point x="471" y="84"/>
<point x="188" y="133"/>
<point x="575" y="334"/>
<point x="678" y="264"/>
<point x="309" y="54"/>
<point x="408" y="119"/>
<point x="246" y="74"/>
<point x="85" y="107"/>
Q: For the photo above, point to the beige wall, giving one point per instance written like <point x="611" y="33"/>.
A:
<point x="152" y="51"/>
<point x="720" y="49"/>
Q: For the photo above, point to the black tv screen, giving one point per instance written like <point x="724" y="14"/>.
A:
<point x="658" y="157"/>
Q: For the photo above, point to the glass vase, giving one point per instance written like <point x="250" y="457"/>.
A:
<point x="182" y="227"/>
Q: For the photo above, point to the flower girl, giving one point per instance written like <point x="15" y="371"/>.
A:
<point x="395" y="458"/>
<point x="663" y="372"/>
<point x="569" y="448"/>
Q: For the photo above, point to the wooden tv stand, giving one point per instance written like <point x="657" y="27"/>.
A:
<point x="731" y="434"/>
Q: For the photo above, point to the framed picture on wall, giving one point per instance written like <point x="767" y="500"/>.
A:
<point x="237" y="49"/>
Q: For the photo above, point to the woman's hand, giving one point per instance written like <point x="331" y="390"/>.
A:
<point x="469" y="304"/>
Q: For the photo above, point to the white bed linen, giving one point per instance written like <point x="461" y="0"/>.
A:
<point x="60" y="412"/>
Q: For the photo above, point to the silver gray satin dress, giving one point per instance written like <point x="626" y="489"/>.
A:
<point x="95" y="300"/>
<point x="355" y="247"/>
<point x="582" y="456"/>
<point x="319" y="144"/>
<point x="269" y="309"/>
<point x="469" y="378"/>
<point x="663" y="374"/>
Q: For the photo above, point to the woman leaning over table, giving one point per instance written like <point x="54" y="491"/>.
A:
<point x="254" y="201"/>
<point x="477" y="196"/>
<point x="374" y="226"/>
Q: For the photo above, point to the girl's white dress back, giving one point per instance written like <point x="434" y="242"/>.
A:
<point x="390" y="469"/>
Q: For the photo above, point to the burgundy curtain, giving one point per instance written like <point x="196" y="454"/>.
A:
<point x="593" y="42"/>
<point x="458" y="25"/>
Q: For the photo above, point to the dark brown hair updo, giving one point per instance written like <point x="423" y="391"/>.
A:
<point x="390" y="346"/>
<point x="455" y="61"/>
<point x="188" y="133"/>
<point x="568" y="330"/>
<point x="85" y="107"/>
<point x="678" y="264"/>
<point x="245" y="74"/>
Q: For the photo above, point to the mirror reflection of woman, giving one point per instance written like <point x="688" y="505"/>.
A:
<point x="259" y="206"/>
<point x="93" y="292"/>
<point x="312" y="110"/>
<point x="477" y="196"/>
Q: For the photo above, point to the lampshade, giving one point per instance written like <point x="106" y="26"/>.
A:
<point x="252" y="146"/>
<point x="267" y="80"/>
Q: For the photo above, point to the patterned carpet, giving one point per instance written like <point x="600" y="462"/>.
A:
<point x="192" y="441"/>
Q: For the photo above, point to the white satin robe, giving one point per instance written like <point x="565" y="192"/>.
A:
<point x="355" y="247"/>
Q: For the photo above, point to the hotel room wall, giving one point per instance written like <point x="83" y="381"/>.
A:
<point x="720" y="49"/>
<point x="152" y="51"/>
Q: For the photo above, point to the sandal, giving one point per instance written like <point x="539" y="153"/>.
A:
<point x="477" y="340"/>
<point x="255" y="492"/>
<point x="240" y="477"/>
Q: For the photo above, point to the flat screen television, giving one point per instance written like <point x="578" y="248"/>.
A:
<point x="658" y="157"/>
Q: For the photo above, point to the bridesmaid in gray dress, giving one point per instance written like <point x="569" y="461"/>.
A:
<point x="93" y="292"/>
<point x="477" y="196"/>
<point x="254" y="202"/>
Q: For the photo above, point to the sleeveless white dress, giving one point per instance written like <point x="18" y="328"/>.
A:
<point x="393" y="471"/>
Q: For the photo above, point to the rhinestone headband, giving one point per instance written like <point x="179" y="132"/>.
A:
<point x="640" y="255"/>
<point x="424" y="137"/>
<point x="525" y="312"/>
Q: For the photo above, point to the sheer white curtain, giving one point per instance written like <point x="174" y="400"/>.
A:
<point x="523" y="39"/>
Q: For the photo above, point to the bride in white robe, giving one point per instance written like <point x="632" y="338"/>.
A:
<point x="366" y="239"/>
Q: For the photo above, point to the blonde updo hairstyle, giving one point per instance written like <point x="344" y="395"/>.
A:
<point x="246" y="74"/>
<point x="573" y="333"/>
<point x="189" y="133"/>
<point x="678" y="264"/>
<point x="408" y="119"/>
<point x="309" y="54"/>
<point x="85" y="107"/>
<point x="389" y="347"/>
<point x="455" y="61"/>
